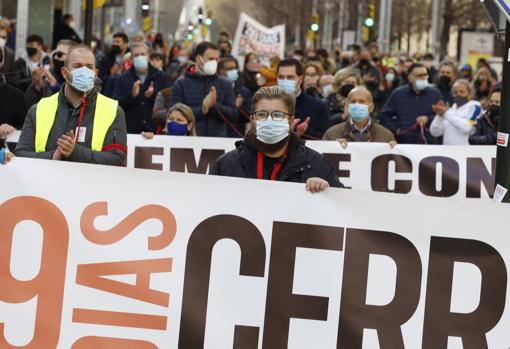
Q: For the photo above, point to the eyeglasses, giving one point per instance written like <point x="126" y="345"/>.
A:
<point x="276" y="115"/>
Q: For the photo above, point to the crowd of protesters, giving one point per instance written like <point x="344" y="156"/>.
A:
<point x="356" y="95"/>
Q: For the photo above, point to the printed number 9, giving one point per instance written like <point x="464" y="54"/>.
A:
<point x="48" y="285"/>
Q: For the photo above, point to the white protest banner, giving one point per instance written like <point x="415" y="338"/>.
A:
<point x="441" y="171"/>
<point x="99" y="257"/>
<point x="251" y="36"/>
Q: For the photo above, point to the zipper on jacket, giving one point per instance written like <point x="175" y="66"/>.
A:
<point x="299" y="169"/>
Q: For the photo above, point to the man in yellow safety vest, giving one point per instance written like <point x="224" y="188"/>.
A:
<point x="78" y="123"/>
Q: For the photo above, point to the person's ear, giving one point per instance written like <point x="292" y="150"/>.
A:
<point x="190" y="126"/>
<point x="300" y="81"/>
<point x="63" y="72"/>
<point x="371" y="108"/>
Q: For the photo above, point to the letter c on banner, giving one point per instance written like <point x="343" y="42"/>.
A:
<point x="48" y="285"/>
<point x="198" y="270"/>
<point x="380" y="173"/>
<point x="121" y="230"/>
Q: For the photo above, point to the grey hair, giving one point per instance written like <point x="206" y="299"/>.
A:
<point x="139" y="44"/>
<point x="451" y="64"/>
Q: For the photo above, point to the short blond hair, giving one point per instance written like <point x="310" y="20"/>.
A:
<point x="343" y="74"/>
<point x="187" y="112"/>
<point x="274" y="92"/>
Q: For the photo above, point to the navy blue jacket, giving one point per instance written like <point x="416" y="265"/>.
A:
<point x="191" y="90"/>
<point x="139" y="109"/>
<point x="308" y="106"/>
<point x="402" y="109"/>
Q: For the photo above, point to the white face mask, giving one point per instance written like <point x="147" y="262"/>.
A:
<point x="326" y="90"/>
<point x="421" y="85"/>
<point x="72" y="24"/>
<point x="210" y="67"/>
<point x="270" y="131"/>
<point x="2" y="42"/>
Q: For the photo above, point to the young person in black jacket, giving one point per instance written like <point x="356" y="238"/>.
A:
<point x="272" y="151"/>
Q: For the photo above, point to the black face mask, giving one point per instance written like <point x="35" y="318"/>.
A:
<point x="445" y="80"/>
<point x="371" y="84"/>
<point x="57" y="66"/>
<point x="460" y="101"/>
<point x="364" y="62"/>
<point x="116" y="49"/>
<point x="345" y="89"/>
<point x="345" y="62"/>
<point x="312" y="91"/>
<point x="31" y="51"/>
<point x="494" y="111"/>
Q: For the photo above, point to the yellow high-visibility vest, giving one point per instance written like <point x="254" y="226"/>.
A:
<point x="46" y="110"/>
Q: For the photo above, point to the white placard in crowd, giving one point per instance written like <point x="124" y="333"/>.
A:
<point x="430" y="170"/>
<point x="251" y="36"/>
<point x="475" y="45"/>
<point x="101" y="257"/>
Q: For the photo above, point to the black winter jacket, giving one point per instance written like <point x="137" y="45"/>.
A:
<point x="301" y="163"/>
<point x="485" y="131"/>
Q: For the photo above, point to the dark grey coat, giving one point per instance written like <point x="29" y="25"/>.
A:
<point x="67" y="119"/>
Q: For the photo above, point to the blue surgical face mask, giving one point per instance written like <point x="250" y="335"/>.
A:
<point x="176" y="129"/>
<point x="390" y="77"/>
<point x="233" y="75"/>
<point x="270" y="131"/>
<point x="140" y="63"/>
<point x="421" y="85"/>
<point x="288" y="86"/>
<point x="358" y="112"/>
<point x="83" y="79"/>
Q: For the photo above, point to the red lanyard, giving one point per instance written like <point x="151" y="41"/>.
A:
<point x="276" y="169"/>
<point x="80" y="120"/>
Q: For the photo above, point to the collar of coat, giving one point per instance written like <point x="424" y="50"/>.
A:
<point x="296" y="157"/>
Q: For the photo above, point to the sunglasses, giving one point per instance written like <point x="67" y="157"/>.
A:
<point x="59" y="55"/>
